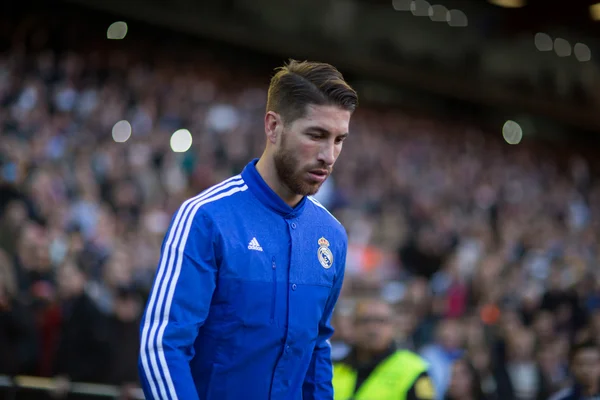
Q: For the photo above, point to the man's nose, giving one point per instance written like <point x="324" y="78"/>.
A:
<point x="327" y="154"/>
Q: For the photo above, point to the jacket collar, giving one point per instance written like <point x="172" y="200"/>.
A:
<point x="266" y="195"/>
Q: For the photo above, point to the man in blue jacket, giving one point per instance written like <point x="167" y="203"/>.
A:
<point x="251" y="269"/>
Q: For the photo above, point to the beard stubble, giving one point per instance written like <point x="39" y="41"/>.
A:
<point x="290" y="173"/>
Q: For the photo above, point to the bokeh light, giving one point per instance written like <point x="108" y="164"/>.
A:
<point x="543" y="42"/>
<point x="512" y="132"/>
<point x="420" y="8"/>
<point x="457" y="18"/>
<point x="438" y="13"/>
<point x="508" y="3"/>
<point x="595" y="12"/>
<point x="181" y="141"/>
<point x="562" y="47"/>
<point x="121" y="131"/>
<point x="582" y="52"/>
<point x="117" y="30"/>
<point x="402" y="5"/>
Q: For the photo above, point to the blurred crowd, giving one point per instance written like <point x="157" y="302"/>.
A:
<point x="497" y="261"/>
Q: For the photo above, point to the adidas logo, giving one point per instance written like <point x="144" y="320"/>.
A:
<point x="254" y="245"/>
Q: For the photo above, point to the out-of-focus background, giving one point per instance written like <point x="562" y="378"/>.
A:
<point x="468" y="186"/>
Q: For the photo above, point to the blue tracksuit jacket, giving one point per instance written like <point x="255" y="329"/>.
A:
<point x="242" y="299"/>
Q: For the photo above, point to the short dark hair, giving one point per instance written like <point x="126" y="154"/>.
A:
<point x="301" y="83"/>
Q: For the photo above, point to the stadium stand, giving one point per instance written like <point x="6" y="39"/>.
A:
<point x="487" y="251"/>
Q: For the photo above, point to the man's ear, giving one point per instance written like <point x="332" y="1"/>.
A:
<point x="273" y="126"/>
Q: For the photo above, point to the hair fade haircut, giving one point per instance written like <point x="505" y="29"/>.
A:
<point x="301" y="83"/>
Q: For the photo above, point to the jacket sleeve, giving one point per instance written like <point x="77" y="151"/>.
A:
<point x="318" y="381"/>
<point x="178" y="305"/>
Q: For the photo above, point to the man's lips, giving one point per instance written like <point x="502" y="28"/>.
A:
<point x="318" y="175"/>
<point x="320" y="172"/>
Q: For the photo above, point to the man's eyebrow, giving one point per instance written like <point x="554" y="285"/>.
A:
<point x="324" y="131"/>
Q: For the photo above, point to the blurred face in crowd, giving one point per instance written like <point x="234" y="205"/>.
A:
<point x="374" y="326"/>
<point x="450" y="335"/>
<point x="8" y="282"/>
<point x="509" y="322"/>
<point x="461" y="381"/>
<point x="118" y="270"/>
<point x="343" y="327"/>
<point x="480" y="357"/>
<point x="33" y="248"/>
<point x="405" y="323"/>
<point x="127" y="307"/>
<point x="474" y="331"/>
<point x="586" y="366"/>
<point x="521" y="345"/>
<point x="548" y="359"/>
<point x="419" y="296"/>
<point x="71" y="280"/>
<point x="305" y="150"/>
<point x="544" y="325"/>
<point x="15" y="214"/>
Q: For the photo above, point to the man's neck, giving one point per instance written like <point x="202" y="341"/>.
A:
<point x="266" y="169"/>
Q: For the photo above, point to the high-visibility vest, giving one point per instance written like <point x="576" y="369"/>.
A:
<point x="391" y="379"/>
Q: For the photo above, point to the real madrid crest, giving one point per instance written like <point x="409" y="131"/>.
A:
<point x="325" y="255"/>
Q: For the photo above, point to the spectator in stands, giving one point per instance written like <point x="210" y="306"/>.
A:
<point x="18" y="337"/>
<point x="481" y="359"/>
<point x="509" y="235"/>
<point x="342" y="338"/>
<point x="83" y="352"/>
<point x="554" y="371"/>
<point x="441" y="354"/>
<point x="585" y="365"/>
<point x="375" y="362"/>
<point x="13" y="218"/>
<point x="124" y="340"/>
<point x="519" y="377"/>
<point x="464" y="382"/>
<point x="406" y="323"/>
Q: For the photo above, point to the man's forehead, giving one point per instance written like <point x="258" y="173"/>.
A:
<point x="331" y="118"/>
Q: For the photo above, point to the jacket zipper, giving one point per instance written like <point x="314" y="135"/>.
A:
<point x="274" y="289"/>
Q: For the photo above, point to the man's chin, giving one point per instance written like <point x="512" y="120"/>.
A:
<point x="308" y="190"/>
<point x="305" y="187"/>
<point x="312" y="189"/>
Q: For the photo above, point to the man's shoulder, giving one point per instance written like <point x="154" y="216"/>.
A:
<point x="215" y="197"/>
<point x="410" y="358"/>
<point x="326" y="215"/>
<point x="408" y="354"/>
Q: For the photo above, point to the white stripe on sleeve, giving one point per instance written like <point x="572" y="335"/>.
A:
<point x="157" y="320"/>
